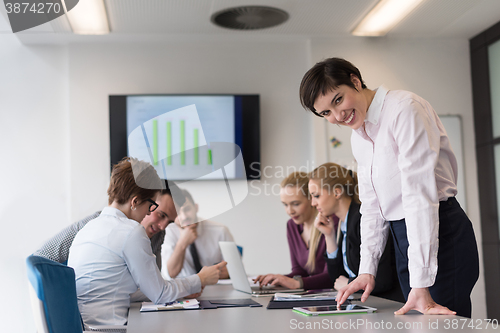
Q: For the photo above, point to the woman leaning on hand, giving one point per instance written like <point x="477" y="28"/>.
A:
<point x="334" y="192"/>
<point x="407" y="176"/>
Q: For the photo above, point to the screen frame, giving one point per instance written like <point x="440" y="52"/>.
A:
<point x="248" y="125"/>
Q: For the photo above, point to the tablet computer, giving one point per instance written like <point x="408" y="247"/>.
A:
<point x="332" y="309"/>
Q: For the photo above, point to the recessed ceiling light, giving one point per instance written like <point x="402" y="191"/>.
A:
<point x="384" y="16"/>
<point x="88" y="17"/>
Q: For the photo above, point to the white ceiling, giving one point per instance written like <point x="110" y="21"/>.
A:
<point x="153" y="19"/>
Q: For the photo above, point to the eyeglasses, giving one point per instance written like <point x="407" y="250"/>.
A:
<point x="153" y="205"/>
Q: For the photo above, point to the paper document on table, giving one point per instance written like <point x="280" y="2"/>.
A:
<point x="224" y="281"/>
<point x="176" y="305"/>
<point x="305" y="296"/>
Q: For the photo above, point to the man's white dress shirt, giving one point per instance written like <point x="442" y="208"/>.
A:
<point x="112" y="257"/>
<point x="207" y="244"/>
<point x="405" y="167"/>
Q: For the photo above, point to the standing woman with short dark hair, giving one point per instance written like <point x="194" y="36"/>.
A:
<point x="407" y="175"/>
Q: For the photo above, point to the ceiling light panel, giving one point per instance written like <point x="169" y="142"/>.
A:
<point x="384" y="16"/>
<point x="89" y="17"/>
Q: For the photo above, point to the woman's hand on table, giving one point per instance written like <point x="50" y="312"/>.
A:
<point x="260" y="278"/>
<point x="277" y="280"/>
<point x="420" y="299"/>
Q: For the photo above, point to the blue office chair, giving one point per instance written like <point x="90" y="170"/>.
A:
<point x="53" y="298"/>
<point x="240" y="248"/>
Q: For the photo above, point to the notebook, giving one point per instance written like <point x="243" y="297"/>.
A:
<point x="238" y="275"/>
<point x="176" y="305"/>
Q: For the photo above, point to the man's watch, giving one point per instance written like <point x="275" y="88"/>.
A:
<point x="301" y="282"/>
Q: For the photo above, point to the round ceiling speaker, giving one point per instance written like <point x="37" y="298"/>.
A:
<point x="249" y="17"/>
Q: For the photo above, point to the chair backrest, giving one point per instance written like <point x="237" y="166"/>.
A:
<point x="54" y="286"/>
<point x="240" y="248"/>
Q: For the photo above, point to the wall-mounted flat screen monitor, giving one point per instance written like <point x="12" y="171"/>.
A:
<point x="188" y="137"/>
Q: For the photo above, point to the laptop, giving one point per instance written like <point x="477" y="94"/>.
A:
<point x="239" y="277"/>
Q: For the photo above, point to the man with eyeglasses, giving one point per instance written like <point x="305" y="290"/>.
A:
<point x="163" y="213"/>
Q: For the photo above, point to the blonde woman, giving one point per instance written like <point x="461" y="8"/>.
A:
<point x="306" y="243"/>
<point x="334" y="192"/>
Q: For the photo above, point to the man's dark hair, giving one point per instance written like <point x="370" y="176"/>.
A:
<point x="166" y="190"/>
<point x="187" y="195"/>
<point x="175" y="193"/>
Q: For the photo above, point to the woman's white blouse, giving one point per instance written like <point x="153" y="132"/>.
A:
<point x="405" y="167"/>
<point x="112" y="257"/>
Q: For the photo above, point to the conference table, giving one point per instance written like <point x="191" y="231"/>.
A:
<point x="259" y="319"/>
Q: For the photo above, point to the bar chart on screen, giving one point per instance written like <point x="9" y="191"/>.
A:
<point x="186" y="143"/>
<point x="175" y="144"/>
<point x="191" y="135"/>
